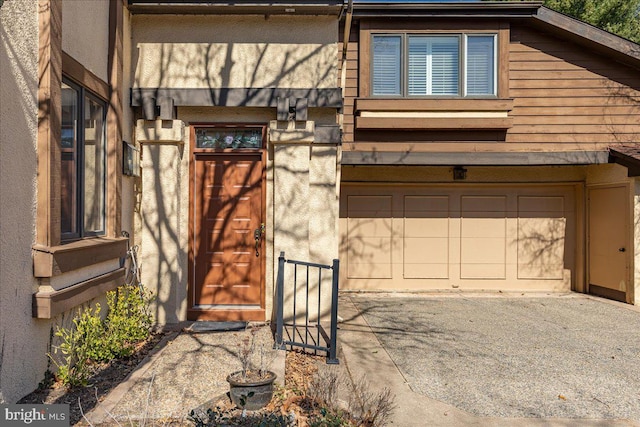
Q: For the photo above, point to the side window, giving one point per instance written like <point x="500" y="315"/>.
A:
<point x="481" y="65"/>
<point x="387" y="66"/>
<point x="83" y="156"/>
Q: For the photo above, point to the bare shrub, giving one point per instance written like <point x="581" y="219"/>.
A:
<point x="368" y="408"/>
<point x="323" y="388"/>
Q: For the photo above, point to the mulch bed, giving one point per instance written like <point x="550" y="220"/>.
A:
<point x="288" y="401"/>
<point x="106" y="377"/>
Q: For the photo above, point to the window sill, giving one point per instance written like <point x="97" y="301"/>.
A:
<point x="55" y="260"/>
<point x="47" y="305"/>
<point x="433" y="113"/>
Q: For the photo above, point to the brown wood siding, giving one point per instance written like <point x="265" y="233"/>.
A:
<point x="350" y="85"/>
<point x="565" y="94"/>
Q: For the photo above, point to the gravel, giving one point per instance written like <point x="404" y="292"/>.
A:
<point x="189" y="372"/>
<point x="570" y="357"/>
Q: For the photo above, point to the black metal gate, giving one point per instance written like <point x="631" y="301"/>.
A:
<point x="300" y="330"/>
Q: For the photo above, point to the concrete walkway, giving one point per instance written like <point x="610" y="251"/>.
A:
<point x="386" y="336"/>
<point x="188" y="371"/>
<point x="453" y="360"/>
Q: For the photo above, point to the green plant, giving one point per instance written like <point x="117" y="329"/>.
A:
<point x="128" y="320"/>
<point x="78" y="346"/>
<point x="328" y="418"/>
<point x="94" y="339"/>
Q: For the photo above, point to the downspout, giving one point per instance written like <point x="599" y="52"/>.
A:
<point x="343" y="84"/>
<point x="345" y="45"/>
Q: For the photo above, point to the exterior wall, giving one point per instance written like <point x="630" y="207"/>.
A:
<point x="31" y="44"/>
<point x="165" y="225"/>
<point x="636" y="241"/>
<point x="243" y="51"/>
<point x="85" y="31"/>
<point x="23" y="340"/>
<point x="565" y="96"/>
<point x="305" y="213"/>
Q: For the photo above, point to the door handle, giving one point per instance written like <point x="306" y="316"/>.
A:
<point x="622" y="250"/>
<point x="257" y="235"/>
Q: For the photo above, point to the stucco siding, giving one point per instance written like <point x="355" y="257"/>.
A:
<point x="234" y="52"/>
<point x="23" y="340"/>
<point x="85" y="34"/>
<point x="164" y="228"/>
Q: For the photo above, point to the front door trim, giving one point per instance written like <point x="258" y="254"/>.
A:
<point x="223" y="312"/>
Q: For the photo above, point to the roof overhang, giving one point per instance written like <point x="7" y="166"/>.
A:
<point x="627" y="156"/>
<point x="444" y="9"/>
<point x="236" y="7"/>
<point x="615" y="47"/>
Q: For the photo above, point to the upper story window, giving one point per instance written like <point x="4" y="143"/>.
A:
<point x="434" y="65"/>
<point x="82" y="176"/>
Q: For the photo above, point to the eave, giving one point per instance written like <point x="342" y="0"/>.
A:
<point x="238" y="7"/>
<point x="601" y="41"/>
<point x="444" y="10"/>
<point x="611" y="45"/>
<point x="627" y="156"/>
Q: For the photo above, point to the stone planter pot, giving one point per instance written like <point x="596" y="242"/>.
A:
<point x="251" y="393"/>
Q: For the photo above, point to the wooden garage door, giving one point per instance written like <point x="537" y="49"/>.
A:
<point x="444" y="237"/>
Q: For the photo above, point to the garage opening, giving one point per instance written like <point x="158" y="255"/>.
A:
<point x="475" y="237"/>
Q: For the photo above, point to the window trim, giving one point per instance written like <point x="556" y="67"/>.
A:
<point x="462" y="62"/>
<point x="83" y="95"/>
<point x="52" y="62"/>
<point x="50" y="257"/>
<point x="369" y="26"/>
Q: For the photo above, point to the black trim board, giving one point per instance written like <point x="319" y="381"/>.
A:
<point x="475" y="159"/>
<point x="236" y="97"/>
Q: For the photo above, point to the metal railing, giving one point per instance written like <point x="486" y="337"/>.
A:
<point x="300" y="329"/>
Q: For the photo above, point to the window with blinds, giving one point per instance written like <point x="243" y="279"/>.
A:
<point x="434" y="65"/>
<point x="386" y="65"/>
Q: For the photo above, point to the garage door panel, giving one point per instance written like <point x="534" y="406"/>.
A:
<point x="483" y="258"/>
<point x="426" y="227"/>
<point x="426" y="271"/>
<point x="483" y="205"/>
<point x="512" y="237"/>
<point x="369" y="206"/>
<point x="483" y="227"/>
<point x="541" y="248"/>
<point x="482" y="271"/>
<point x="426" y="258"/>
<point x="369" y="236"/>
<point x="532" y="205"/>
<point x="413" y="204"/>
<point x="369" y="257"/>
<point x="369" y="227"/>
<point x="369" y="271"/>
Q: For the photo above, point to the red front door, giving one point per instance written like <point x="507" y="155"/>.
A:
<point x="226" y="264"/>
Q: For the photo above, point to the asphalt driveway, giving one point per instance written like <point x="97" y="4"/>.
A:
<point x="559" y="357"/>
